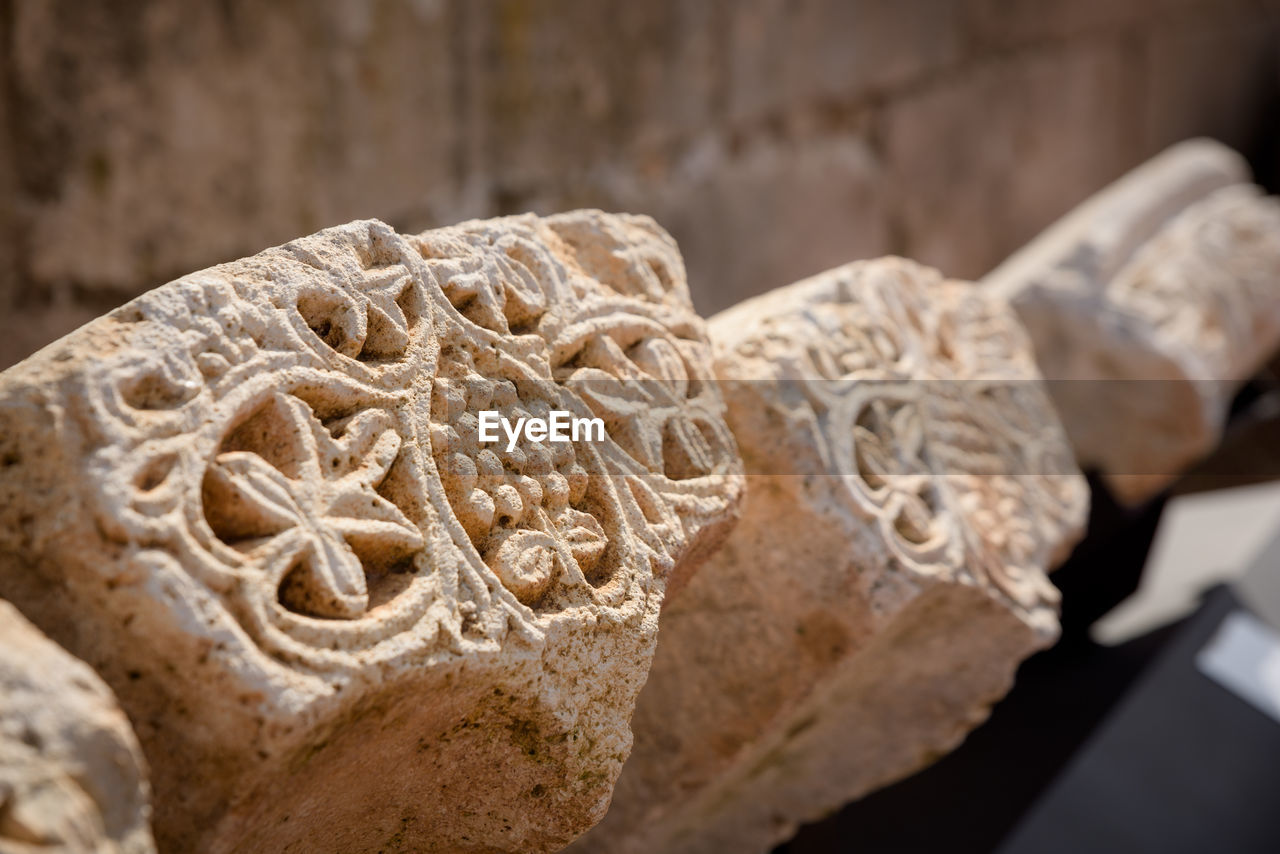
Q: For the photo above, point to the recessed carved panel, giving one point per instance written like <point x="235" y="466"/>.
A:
<point x="280" y="537"/>
<point x="307" y="418"/>
<point x="923" y="398"/>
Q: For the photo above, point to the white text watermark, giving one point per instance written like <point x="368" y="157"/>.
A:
<point x="559" y="426"/>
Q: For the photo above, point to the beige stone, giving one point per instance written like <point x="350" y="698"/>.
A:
<point x="1147" y="306"/>
<point x="801" y="207"/>
<point x="908" y="487"/>
<point x="985" y="158"/>
<point x="253" y="499"/>
<point x="142" y="146"/>
<point x="834" y="51"/>
<point x="72" y="777"/>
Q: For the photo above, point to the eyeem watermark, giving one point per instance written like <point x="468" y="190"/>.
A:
<point x="561" y="426"/>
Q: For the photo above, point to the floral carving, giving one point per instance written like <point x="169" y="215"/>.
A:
<point x="256" y="496"/>
<point x="365" y="323"/>
<point x="313" y="521"/>
<point x="891" y="462"/>
<point x="642" y="389"/>
<point x="922" y="395"/>
<point x="300" y="433"/>
<point x="537" y="334"/>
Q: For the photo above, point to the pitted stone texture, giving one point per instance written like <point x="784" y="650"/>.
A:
<point x="254" y="501"/>
<point x="72" y="777"/>
<point x="908" y="487"/>
<point x="1148" y="305"/>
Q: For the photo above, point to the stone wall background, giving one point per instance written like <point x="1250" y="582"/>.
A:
<point x="142" y="139"/>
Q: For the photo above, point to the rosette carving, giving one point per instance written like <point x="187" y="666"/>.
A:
<point x="258" y="495"/>
<point x="301" y="427"/>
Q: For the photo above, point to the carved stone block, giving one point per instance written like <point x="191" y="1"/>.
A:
<point x="908" y="487"/>
<point x="72" y="778"/>
<point x="1147" y="306"/>
<point x="255" y="501"/>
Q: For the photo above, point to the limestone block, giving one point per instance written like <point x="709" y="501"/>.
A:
<point x="254" y="500"/>
<point x="908" y="487"/>
<point x="72" y="777"/>
<point x="1147" y="306"/>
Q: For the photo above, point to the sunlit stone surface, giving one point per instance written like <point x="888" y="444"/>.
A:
<point x="908" y="487"/>
<point x="253" y="499"/>
<point x="1147" y="306"/>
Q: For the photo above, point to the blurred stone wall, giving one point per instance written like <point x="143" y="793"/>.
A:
<point x="147" y="138"/>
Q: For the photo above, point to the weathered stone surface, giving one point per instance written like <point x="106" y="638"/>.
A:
<point x="1148" y="305"/>
<point x="72" y="777"/>
<point x="908" y="487"/>
<point x="834" y="51"/>
<point x="802" y="205"/>
<point x="1026" y="137"/>
<point x="253" y="500"/>
<point x="141" y="146"/>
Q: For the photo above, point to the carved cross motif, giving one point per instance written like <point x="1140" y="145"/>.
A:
<point x="307" y="508"/>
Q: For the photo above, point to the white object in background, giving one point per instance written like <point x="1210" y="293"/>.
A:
<point x="1203" y="539"/>
<point x="1244" y="658"/>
